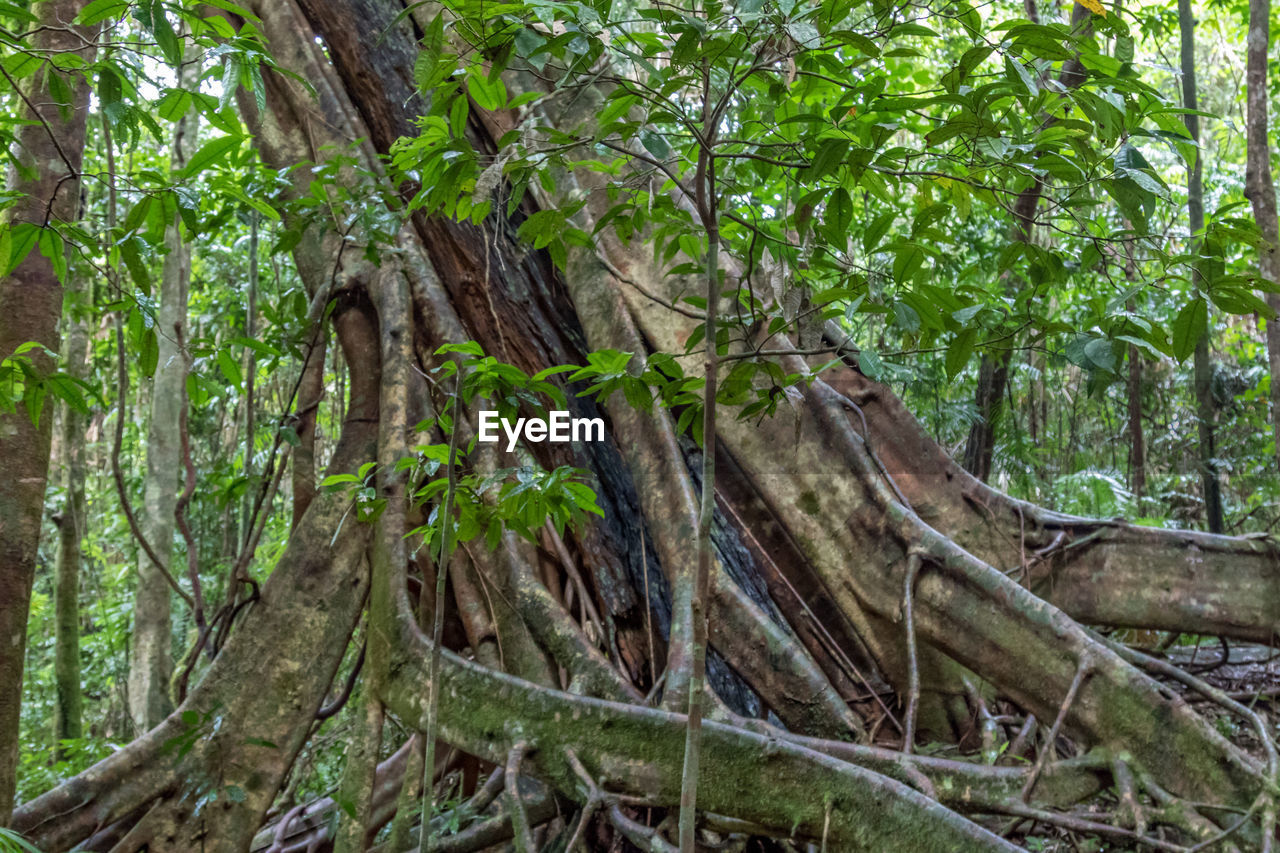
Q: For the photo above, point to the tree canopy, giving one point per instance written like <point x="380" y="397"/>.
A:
<point x="931" y="346"/>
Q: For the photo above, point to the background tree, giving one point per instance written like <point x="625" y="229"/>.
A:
<point x="43" y="182"/>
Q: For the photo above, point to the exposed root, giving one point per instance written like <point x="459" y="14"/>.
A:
<point x="644" y="837"/>
<point x="1082" y="672"/>
<point x="521" y="830"/>
<point x="913" y="662"/>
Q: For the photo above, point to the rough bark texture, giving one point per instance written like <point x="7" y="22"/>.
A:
<point x="988" y="399"/>
<point x="71" y="530"/>
<point x="50" y="153"/>
<point x="1259" y="186"/>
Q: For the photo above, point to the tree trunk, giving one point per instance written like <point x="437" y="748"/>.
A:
<point x="151" y="656"/>
<point x="1261" y="189"/>
<point x="1206" y="414"/>
<point x="71" y="523"/>
<point x="310" y="396"/>
<point x="1137" y="441"/>
<point x="816" y="524"/>
<point x="988" y="399"/>
<point x="32" y="295"/>
<point x="250" y="370"/>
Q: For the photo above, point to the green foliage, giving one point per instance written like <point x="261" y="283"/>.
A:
<point x="866" y="168"/>
<point x="521" y="499"/>
<point x="12" y="842"/>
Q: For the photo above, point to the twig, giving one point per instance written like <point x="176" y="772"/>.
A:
<point x="644" y="837"/>
<point x="118" y="474"/>
<point x="572" y="571"/>
<point x="1083" y="668"/>
<point x="620" y="276"/>
<point x="1230" y="830"/>
<point x="1091" y="827"/>
<point x="1024" y="734"/>
<point x="72" y="171"/>
<point x="488" y="792"/>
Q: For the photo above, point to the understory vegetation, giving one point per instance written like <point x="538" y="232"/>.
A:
<point x="932" y="344"/>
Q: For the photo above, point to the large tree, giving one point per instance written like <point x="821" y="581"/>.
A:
<point x="849" y="548"/>
<point x="45" y="179"/>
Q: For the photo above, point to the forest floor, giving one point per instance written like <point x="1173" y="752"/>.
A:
<point x="1248" y="673"/>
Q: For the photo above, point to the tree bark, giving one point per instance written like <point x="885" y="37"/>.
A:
<point x="52" y="149"/>
<point x="1202" y="384"/>
<point x="1137" y="440"/>
<point x="71" y="523"/>
<point x="151" y="656"/>
<point x="310" y="396"/>
<point x="1260" y="188"/>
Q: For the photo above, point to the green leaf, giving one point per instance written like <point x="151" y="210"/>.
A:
<point x="100" y="10"/>
<point x="230" y="81"/>
<point x="488" y="94"/>
<point x="458" y="116"/>
<point x="23" y="238"/>
<point x="229" y="368"/>
<point x="175" y="104"/>
<point x="830" y="155"/>
<point x="874" y="233"/>
<point x="166" y="38"/>
<point x="655" y="144"/>
<point x="959" y="352"/>
<point x="1191" y="323"/>
<point x="15" y="842"/>
<point x="870" y="365"/>
<point x="839" y="214"/>
<point x="52" y="247"/>
<point x="1124" y="49"/>
<point x="211" y="152"/>
<point x="149" y="356"/>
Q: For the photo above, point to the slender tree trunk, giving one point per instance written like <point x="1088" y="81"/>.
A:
<point x="1137" y="441"/>
<point x="1260" y="187"/>
<point x="71" y="530"/>
<point x="151" y="657"/>
<point x="310" y="395"/>
<point x="31" y="295"/>
<point x="250" y="374"/>
<point x="979" y="448"/>
<point x="700" y="583"/>
<point x="1203" y="369"/>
